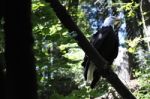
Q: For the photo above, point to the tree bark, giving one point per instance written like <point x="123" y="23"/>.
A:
<point x="2" y="76"/>
<point x="20" y="67"/>
<point x="97" y="59"/>
<point x="144" y="8"/>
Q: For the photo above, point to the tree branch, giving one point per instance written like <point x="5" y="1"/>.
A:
<point x="96" y="58"/>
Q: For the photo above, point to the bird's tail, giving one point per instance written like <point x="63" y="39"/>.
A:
<point x="90" y="73"/>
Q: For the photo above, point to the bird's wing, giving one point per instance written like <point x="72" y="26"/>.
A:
<point x="98" y="38"/>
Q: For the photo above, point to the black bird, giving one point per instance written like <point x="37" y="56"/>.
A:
<point x="106" y="42"/>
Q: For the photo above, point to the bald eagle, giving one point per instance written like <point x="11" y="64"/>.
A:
<point x="106" y="42"/>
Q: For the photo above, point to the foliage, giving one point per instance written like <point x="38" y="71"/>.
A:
<point x="143" y="74"/>
<point x="130" y="8"/>
<point x="142" y="69"/>
<point x="133" y="44"/>
<point x="85" y="92"/>
<point x="58" y="58"/>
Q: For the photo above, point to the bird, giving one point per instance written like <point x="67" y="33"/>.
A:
<point x="106" y="42"/>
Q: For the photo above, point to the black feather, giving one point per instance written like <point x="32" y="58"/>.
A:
<point x="106" y="42"/>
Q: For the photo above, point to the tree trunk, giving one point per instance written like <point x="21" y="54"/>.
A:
<point x="20" y="68"/>
<point x="122" y="65"/>
<point x="144" y="8"/>
<point x="2" y="75"/>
